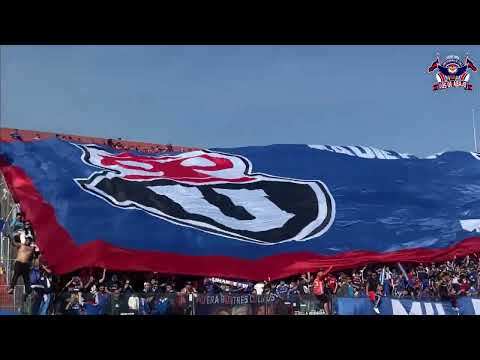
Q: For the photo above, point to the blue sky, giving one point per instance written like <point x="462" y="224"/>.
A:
<point x="228" y="96"/>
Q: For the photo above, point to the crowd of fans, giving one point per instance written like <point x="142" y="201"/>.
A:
<point x="98" y="291"/>
<point x="118" y="144"/>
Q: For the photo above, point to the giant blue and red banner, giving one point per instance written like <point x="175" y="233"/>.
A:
<point x="244" y="213"/>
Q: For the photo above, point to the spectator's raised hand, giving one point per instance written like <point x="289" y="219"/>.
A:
<point x="103" y="276"/>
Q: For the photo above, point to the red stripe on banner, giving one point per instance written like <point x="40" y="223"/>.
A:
<point x="64" y="256"/>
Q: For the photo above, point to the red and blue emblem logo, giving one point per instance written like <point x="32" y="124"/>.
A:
<point x="452" y="73"/>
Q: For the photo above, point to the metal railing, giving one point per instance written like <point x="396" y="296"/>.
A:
<point x="135" y="303"/>
<point x="13" y="302"/>
<point x="124" y="304"/>
<point x="185" y="304"/>
<point x="8" y="211"/>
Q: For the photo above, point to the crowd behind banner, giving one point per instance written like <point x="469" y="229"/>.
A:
<point x="117" y="144"/>
<point x="367" y="291"/>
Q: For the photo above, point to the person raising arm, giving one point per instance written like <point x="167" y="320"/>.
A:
<point x="319" y="289"/>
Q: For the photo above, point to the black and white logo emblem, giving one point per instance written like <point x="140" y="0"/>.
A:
<point x="213" y="192"/>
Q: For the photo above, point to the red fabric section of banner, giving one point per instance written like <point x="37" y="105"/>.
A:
<point x="64" y="256"/>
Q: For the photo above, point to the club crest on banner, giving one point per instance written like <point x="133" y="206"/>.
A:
<point x="213" y="192"/>
<point x="452" y="73"/>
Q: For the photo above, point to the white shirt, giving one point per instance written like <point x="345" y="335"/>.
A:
<point x="259" y="288"/>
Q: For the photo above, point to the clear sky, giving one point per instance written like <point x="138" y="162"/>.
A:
<point x="228" y="96"/>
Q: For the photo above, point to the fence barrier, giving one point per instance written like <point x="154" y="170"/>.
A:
<point x="132" y="303"/>
<point x="8" y="210"/>
<point x="13" y="302"/>
<point x="119" y="303"/>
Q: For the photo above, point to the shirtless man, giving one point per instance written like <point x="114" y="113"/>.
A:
<point x="22" y="264"/>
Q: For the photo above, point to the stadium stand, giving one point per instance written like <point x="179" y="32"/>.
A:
<point x="9" y="134"/>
